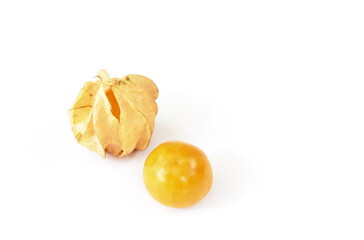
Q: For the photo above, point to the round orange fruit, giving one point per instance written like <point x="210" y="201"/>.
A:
<point x="177" y="174"/>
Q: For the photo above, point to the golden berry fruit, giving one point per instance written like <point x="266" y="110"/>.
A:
<point x="177" y="174"/>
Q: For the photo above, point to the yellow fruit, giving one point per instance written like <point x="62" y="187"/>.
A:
<point x="177" y="174"/>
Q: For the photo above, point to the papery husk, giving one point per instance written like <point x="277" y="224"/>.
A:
<point x="115" y="114"/>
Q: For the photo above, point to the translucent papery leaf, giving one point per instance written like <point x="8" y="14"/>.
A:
<point x="133" y="130"/>
<point x="106" y="124"/>
<point x="144" y="83"/>
<point x="81" y="118"/>
<point x="142" y="102"/>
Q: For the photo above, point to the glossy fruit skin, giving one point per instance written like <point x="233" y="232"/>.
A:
<point x="177" y="174"/>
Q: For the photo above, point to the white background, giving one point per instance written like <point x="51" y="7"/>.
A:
<point x="272" y="91"/>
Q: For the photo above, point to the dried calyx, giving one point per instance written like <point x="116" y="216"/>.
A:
<point x="115" y="114"/>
